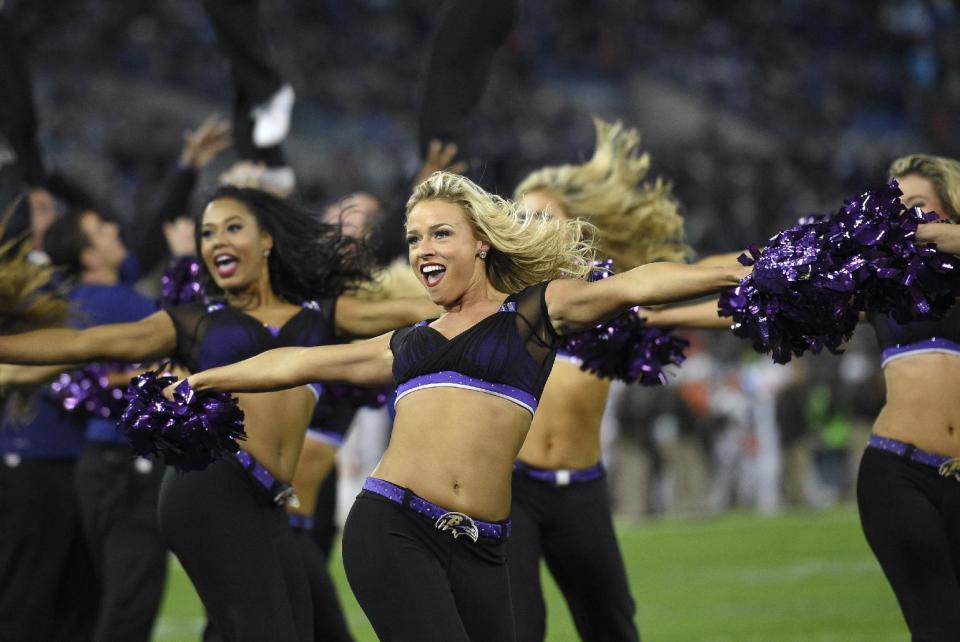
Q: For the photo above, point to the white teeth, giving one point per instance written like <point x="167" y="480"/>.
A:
<point x="223" y="259"/>
<point x="430" y="269"/>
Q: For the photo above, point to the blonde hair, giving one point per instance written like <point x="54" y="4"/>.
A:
<point x="638" y="222"/>
<point x="394" y="281"/>
<point x="525" y="247"/>
<point x="943" y="174"/>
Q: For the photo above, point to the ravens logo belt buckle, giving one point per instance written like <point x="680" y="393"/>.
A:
<point x="458" y="524"/>
<point x="951" y="468"/>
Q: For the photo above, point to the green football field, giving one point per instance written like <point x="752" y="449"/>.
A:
<point x="803" y="576"/>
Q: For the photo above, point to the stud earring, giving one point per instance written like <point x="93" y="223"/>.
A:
<point x="266" y="253"/>
<point x="483" y="254"/>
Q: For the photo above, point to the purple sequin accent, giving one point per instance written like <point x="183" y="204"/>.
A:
<point x="451" y="379"/>
<point x="933" y="344"/>
<point x="624" y="347"/>
<point x="88" y="392"/>
<point x="560" y="476"/>
<point x="189" y="432"/>
<point x="810" y="282"/>
<point x="180" y="283"/>
<point x="901" y="448"/>
<point x="417" y="504"/>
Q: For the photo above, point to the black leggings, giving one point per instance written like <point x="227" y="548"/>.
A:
<point x="911" y="518"/>
<point x="48" y="589"/>
<point x="466" y="37"/>
<point x="118" y="506"/>
<point x="571" y="528"/>
<point x="241" y="37"/>
<point x="328" y="622"/>
<point x="238" y="550"/>
<point x="416" y="583"/>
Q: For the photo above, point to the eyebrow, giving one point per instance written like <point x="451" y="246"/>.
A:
<point x="233" y="217"/>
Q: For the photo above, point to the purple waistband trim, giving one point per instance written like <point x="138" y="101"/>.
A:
<point x="303" y="522"/>
<point x="908" y="451"/>
<point x="933" y="344"/>
<point x="281" y="492"/>
<point x="451" y="379"/>
<point x="407" y="498"/>
<point x="559" y="476"/>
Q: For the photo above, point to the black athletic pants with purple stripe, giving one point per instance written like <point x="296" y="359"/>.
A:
<point x="415" y="582"/>
<point x="911" y="518"/>
<point x="571" y="529"/>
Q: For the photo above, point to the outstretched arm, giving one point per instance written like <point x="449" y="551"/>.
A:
<point x="150" y="338"/>
<point x="14" y="376"/>
<point x="576" y="305"/>
<point x="362" y="318"/>
<point x="703" y="315"/>
<point x="362" y="363"/>
<point x="945" y="237"/>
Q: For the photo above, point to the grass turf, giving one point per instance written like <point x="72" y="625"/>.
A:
<point x="803" y="576"/>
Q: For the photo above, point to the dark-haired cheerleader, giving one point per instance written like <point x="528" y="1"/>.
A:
<point x="265" y="261"/>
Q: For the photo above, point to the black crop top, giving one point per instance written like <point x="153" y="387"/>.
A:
<point x="896" y="340"/>
<point x="508" y="354"/>
<point x="215" y="335"/>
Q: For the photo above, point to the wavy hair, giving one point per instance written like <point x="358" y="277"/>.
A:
<point x="310" y="259"/>
<point x="525" y="247"/>
<point x="637" y="222"/>
<point x="943" y="174"/>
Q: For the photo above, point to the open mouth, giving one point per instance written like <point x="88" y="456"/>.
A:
<point x="225" y="264"/>
<point x="432" y="273"/>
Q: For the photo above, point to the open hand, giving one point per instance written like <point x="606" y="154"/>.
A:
<point x="439" y="158"/>
<point x="201" y="145"/>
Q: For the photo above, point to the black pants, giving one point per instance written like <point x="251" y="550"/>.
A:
<point x="911" y="519"/>
<point x="238" y="550"/>
<point x="466" y="37"/>
<point x="571" y="528"/>
<point x="255" y="78"/>
<point x="47" y="586"/>
<point x="324" y="523"/>
<point x="18" y="120"/>
<point x="328" y="622"/>
<point x="416" y="583"/>
<point x="118" y="505"/>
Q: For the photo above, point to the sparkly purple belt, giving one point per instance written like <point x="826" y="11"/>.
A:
<point x="559" y="476"/>
<point x="455" y="523"/>
<point x="947" y="466"/>
<point x="281" y="492"/>
<point x="303" y="522"/>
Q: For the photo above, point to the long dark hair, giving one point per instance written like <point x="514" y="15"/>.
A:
<point x="310" y="259"/>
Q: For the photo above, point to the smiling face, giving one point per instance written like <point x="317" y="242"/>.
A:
<point x="232" y="245"/>
<point x="920" y="192"/>
<point x="444" y="251"/>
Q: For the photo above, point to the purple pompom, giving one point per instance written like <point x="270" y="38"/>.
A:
<point x="811" y="281"/>
<point x="180" y="283"/>
<point x="188" y="433"/>
<point x="624" y="347"/>
<point x="88" y="392"/>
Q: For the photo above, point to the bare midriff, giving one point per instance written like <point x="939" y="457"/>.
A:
<point x="923" y="403"/>
<point x="275" y="423"/>
<point x="455" y="448"/>
<point x="566" y="429"/>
